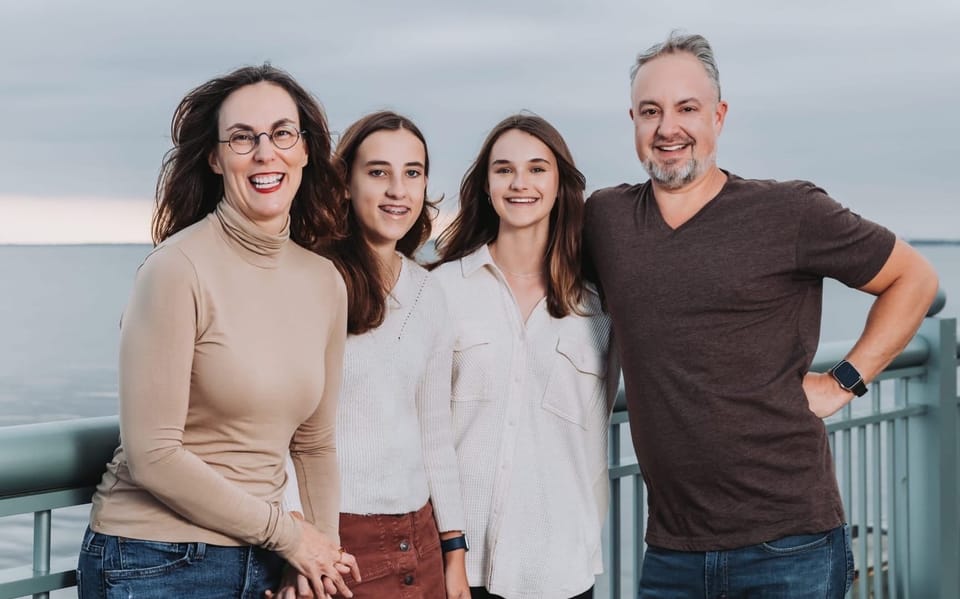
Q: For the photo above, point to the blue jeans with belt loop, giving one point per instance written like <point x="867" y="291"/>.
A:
<point x="113" y="567"/>
<point x="795" y="567"/>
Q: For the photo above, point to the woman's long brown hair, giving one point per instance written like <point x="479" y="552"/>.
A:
<point x="477" y="223"/>
<point x="188" y="190"/>
<point x="361" y="268"/>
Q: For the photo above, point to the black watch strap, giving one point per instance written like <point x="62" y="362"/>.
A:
<point x="849" y="378"/>
<point x="453" y="544"/>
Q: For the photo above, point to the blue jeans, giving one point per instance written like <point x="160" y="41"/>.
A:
<point x="796" y="567"/>
<point x="116" y="567"/>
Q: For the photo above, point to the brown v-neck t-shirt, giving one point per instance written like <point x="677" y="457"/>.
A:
<point x="716" y="322"/>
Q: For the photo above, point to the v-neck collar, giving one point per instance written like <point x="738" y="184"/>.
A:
<point x="696" y="216"/>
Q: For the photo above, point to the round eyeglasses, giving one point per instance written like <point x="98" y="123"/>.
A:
<point x="244" y="142"/>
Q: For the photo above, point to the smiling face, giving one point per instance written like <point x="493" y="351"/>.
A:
<point x="262" y="183"/>
<point x="523" y="180"/>
<point x="388" y="185"/>
<point x="677" y="118"/>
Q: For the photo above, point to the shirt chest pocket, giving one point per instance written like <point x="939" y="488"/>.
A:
<point x="472" y="364"/>
<point x="575" y="387"/>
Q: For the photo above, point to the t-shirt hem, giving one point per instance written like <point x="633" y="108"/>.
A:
<point x="754" y="537"/>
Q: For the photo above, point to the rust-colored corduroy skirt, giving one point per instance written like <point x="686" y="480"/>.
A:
<point x="399" y="555"/>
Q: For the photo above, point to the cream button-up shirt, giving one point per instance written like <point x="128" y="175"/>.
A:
<point x="531" y="408"/>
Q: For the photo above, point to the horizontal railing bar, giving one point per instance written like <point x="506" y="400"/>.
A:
<point x="901" y="373"/>
<point x="25" y="502"/>
<point x="50" y="500"/>
<point x="21" y="580"/>
<point x="840" y="425"/>
<point x="624" y="471"/>
<point x="831" y="352"/>
<point x="56" y="455"/>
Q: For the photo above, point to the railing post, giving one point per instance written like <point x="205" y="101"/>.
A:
<point x="41" y="547"/>
<point x="615" y="515"/>
<point x="933" y="542"/>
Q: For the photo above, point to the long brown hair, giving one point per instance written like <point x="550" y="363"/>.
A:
<point x="361" y="268"/>
<point x="188" y="190"/>
<point x="477" y="223"/>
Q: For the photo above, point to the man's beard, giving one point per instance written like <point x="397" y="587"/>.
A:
<point x="673" y="176"/>
<point x="676" y="176"/>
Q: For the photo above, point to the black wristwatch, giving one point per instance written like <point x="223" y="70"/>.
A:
<point x="849" y="378"/>
<point x="455" y="543"/>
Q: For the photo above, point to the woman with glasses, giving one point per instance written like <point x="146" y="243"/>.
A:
<point x="401" y="512"/>
<point x="231" y="350"/>
<point x="532" y="387"/>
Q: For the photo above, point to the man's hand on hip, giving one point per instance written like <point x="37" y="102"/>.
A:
<point x="825" y="396"/>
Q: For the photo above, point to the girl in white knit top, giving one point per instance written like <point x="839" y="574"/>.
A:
<point x="532" y="389"/>
<point x="399" y="477"/>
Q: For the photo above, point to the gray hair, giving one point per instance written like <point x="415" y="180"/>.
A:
<point x="675" y="43"/>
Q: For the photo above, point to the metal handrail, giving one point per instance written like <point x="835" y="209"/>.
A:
<point x="49" y="456"/>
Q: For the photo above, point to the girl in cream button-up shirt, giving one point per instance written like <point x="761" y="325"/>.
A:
<point x="530" y="398"/>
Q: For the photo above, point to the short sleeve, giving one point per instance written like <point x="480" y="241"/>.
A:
<point x="835" y="242"/>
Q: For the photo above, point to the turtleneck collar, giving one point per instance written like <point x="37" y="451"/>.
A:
<point x="254" y="245"/>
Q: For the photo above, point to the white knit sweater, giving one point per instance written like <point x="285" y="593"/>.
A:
<point x="394" y="440"/>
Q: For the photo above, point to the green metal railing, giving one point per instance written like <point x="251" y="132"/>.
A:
<point x="44" y="467"/>
<point x="897" y="461"/>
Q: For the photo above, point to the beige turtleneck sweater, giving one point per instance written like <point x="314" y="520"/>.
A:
<point x="231" y="352"/>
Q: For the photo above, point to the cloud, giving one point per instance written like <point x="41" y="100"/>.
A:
<point x="53" y="220"/>
<point x="855" y="96"/>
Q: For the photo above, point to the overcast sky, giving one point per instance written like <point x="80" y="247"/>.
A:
<point x="861" y="97"/>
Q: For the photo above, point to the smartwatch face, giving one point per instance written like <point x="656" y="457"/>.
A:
<point x="846" y="374"/>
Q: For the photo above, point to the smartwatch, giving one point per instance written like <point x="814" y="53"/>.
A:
<point x="455" y="543"/>
<point x="849" y="378"/>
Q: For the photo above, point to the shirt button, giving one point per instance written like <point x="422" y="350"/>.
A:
<point x="404" y="546"/>
<point x="408" y="579"/>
